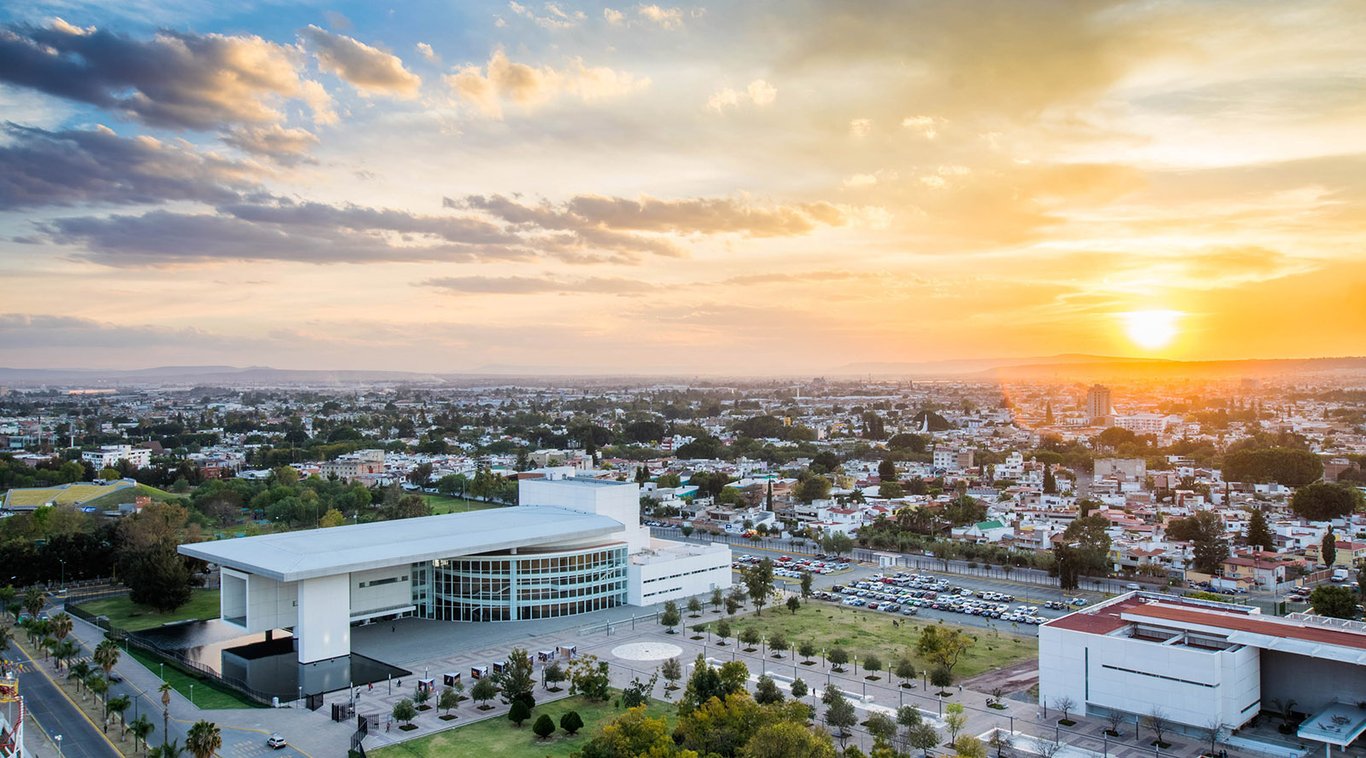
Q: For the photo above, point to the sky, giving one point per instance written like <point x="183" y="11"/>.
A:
<point x="723" y="188"/>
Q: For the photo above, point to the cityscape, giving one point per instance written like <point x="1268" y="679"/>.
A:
<point x="763" y="380"/>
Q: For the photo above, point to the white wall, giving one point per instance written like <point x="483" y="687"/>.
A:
<point x="620" y="502"/>
<point x="270" y="604"/>
<point x="657" y="582"/>
<point x="232" y="597"/>
<point x="324" y="628"/>
<point x="1137" y="676"/>
<point x="379" y="593"/>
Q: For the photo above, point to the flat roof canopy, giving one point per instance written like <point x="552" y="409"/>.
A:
<point x="292" y="556"/>
<point x="1338" y="724"/>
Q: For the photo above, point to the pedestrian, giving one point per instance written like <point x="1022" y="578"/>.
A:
<point x="393" y="628"/>
<point x="371" y="687"/>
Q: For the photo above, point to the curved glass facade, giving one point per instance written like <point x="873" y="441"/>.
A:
<point x="528" y="585"/>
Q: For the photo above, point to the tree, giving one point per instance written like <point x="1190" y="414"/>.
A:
<point x="519" y="712"/>
<point x="544" y="726"/>
<point x="1050" y="482"/>
<point x="694" y="607"/>
<point x="7" y="595"/>
<point x="141" y="727"/>
<point x="881" y="726"/>
<point x="1000" y="742"/>
<point x="331" y="518"/>
<point x="941" y="677"/>
<point x="483" y="691"/>
<point x="571" y="723"/>
<point x="1323" y="501"/>
<point x="787" y="739"/>
<point x="1214" y="730"/>
<point x="34" y="600"/>
<point x="420" y="697"/>
<point x="758" y="580"/>
<point x="1065" y="704"/>
<point x="589" y="677"/>
<point x="405" y="711"/>
<point x="777" y="643"/>
<point x="672" y="671"/>
<point x="905" y="670"/>
<point x="722" y="630"/>
<point x="638" y="691"/>
<point x="968" y="746"/>
<point x="634" y="733"/>
<point x="1157" y="723"/>
<point x="1205" y="532"/>
<point x="1334" y="602"/>
<point x="839" y="712"/>
<point x="1115" y="719"/>
<point x="1328" y="549"/>
<point x="449" y="700"/>
<point x="166" y="750"/>
<point x="806" y="584"/>
<point x="872" y="664"/>
<point x="553" y="675"/>
<point x="157" y="577"/>
<point x="923" y="737"/>
<point x="890" y="490"/>
<point x="954" y="719"/>
<point x="945" y="647"/>
<point x="517" y="680"/>
<point x="799" y="688"/>
<point x="794" y="605"/>
<point x="670" y="617"/>
<point x="717" y="599"/>
<point x="766" y="691"/>
<point x="886" y="470"/>
<point x="838" y="543"/>
<point x="838" y="656"/>
<point x="106" y="655"/>
<point x="204" y="739"/>
<point x="807" y="648"/>
<point x="812" y="488"/>
<point x="1258" y="532"/>
<point x="117" y="706"/>
<point x="1287" y="466"/>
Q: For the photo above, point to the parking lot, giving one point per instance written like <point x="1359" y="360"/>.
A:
<point x="907" y="594"/>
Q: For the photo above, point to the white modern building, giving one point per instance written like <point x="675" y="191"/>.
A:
<point x="1202" y="662"/>
<point x="574" y="546"/>
<point x="109" y="456"/>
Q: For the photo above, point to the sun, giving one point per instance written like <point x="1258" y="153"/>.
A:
<point x="1151" y="329"/>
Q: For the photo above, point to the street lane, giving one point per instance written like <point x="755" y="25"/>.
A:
<point x="49" y="707"/>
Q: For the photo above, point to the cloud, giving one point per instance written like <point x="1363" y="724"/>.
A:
<point x="368" y="69"/>
<point x="925" y="126"/>
<point x="861" y="127"/>
<point x="759" y="92"/>
<point x="555" y="17"/>
<point x="97" y="167"/>
<point x="25" y="331"/>
<point x="286" y="146"/>
<point x="427" y="53"/>
<point x="527" y="285"/>
<point x="502" y="80"/>
<point x="613" y="16"/>
<point x="667" y="18"/>
<point x="174" y="79"/>
<point x="586" y="213"/>
<point x="860" y="180"/>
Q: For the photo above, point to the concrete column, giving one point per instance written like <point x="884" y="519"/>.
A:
<point x="324" y="626"/>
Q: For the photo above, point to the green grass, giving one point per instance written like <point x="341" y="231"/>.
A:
<point x="443" y="504"/>
<point x="126" y="614"/>
<point x="129" y="494"/>
<point x="207" y="693"/>
<point x="497" y="737"/>
<point x="862" y="632"/>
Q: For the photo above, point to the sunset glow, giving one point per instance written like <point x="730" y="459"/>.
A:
<point x="595" y="187"/>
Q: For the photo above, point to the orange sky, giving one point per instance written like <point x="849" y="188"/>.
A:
<point x="731" y="188"/>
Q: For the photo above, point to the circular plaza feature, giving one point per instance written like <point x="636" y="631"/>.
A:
<point x="646" y="651"/>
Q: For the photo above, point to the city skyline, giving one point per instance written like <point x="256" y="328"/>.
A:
<point x="637" y="188"/>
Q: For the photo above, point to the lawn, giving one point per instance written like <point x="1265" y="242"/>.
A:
<point x="207" y="693"/>
<point x="498" y="737"/>
<point x="129" y="494"/>
<point x="862" y="632"/>
<point x="125" y="614"/>
<point x="443" y="504"/>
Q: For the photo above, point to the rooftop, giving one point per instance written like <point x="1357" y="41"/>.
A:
<point x="292" y="556"/>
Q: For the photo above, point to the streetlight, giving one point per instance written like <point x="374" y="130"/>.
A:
<point x="58" y="738"/>
<point x="191" y="693"/>
<point x="63" y="562"/>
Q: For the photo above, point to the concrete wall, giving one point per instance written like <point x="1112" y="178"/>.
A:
<point x="232" y="599"/>
<point x="324" y="628"/>
<point x="690" y="575"/>
<point x="270" y="604"/>
<point x="383" y="588"/>
<point x="1189" y="685"/>
<point x="620" y="502"/>
<point x="1311" y="682"/>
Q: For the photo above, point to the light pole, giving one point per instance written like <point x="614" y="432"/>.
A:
<point x="191" y="693"/>
<point x="58" y="738"/>
<point x="63" y="562"/>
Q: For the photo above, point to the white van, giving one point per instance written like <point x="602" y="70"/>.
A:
<point x="1339" y="575"/>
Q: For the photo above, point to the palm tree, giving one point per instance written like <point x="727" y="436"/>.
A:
<point x="34" y="600"/>
<point x="118" y="705"/>
<point x="165" y="690"/>
<point x="167" y="750"/>
<point x="61" y="625"/>
<point x="106" y="655"/>
<point x="78" y="671"/>
<point x="98" y="686"/>
<point x="141" y="727"/>
<point x="64" y="650"/>
<point x="203" y="739"/>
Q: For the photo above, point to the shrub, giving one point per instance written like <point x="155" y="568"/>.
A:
<point x="544" y="726"/>
<point x="571" y="722"/>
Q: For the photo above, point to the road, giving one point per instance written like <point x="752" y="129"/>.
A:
<point x="57" y="715"/>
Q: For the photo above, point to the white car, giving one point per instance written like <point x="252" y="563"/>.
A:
<point x="276" y="742"/>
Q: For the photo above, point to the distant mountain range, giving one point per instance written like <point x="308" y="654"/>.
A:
<point x="1068" y="367"/>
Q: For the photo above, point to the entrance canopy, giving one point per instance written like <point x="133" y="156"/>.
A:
<point x="1338" y="724"/>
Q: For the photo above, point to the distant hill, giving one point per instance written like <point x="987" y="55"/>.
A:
<point x="205" y="375"/>
<point x="1169" y="370"/>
